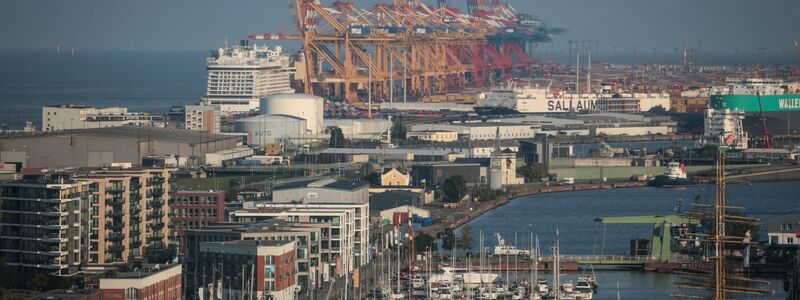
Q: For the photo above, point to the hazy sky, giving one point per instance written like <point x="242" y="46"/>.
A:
<point x="203" y="24"/>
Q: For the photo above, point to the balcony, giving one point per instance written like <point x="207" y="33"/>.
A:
<point x="136" y="244"/>
<point x="115" y="202"/>
<point x="155" y="181"/>
<point x="115" y="248"/>
<point x="155" y="193"/>
<point x="155" y="215"/>
<point x="115" y="189"/>
<point x="155" y="238"/>
<point x="135" y="209"/>
<point x="115" y="226"/>
<point x="157" y="226"/>
<point x="53" y="223"/>
<point x="115" y="213"/>
<point x="156" y="203"/>
<point x="115" y="237"/>
<point x="136" y="219"/>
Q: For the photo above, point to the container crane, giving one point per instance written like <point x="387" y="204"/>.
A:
<point x="425" y="49"/>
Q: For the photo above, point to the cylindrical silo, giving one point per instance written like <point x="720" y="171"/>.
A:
<point x="304" y="106"/>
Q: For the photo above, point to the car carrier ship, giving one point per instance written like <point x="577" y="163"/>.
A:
<point x="514" y="99"/>
<point x="779" y="101"/>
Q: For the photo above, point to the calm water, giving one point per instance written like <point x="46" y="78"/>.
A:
<point x="573" y="213"/>
<point x="140" y="80"/>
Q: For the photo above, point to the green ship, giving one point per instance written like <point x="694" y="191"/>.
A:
<point x="780" y="102"/>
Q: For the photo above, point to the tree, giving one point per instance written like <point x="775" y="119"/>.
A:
<point x="337" y="138"/>
<point x="448" y="241"/>
<point x="657" y="109"/>
<point x="423" y="242"/>
<point x="455" y="188"/>
<point x="532" y="171"/>
<point x="398" y="130"/>
<point x="465" y="241"/>
<point x="373" y="178"/>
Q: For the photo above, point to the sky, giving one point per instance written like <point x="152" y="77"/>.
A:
<point x="722" y="25"/>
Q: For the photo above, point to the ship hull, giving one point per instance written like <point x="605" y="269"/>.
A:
<point x="781" y="112"/>
<point x="666" y="182"/>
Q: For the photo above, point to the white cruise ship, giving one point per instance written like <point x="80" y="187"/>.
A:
<point x="527" y="100"/>
<point x="241" y="75"/>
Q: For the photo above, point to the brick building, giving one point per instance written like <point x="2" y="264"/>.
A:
<point x="194" y="210"/>
<point x="248" y="269"/>
<point x="162" y="284"/>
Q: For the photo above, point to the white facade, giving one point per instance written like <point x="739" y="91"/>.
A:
<point x="484" y="131"/>
<point x="217" y="159"/>
<point x="308" y="107"/>
<point x="239" y="76"/>
<point x="65" y="117"/>
<point x="503" y="169"/>
<point x="726" y="124"/>
<point x="411" y="210"/>
<point x="349" y="224"/>
<point x="203" y="118"/>
<point x="630" y="130"/>
<point x="544" y="100"/>
<point x="360" y="128"/>
<point x="271" y="129"/>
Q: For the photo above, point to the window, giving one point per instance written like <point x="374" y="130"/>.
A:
<point x="790" y="240"/>
<point x="131" y="294"/>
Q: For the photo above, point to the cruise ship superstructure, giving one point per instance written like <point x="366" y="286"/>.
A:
<point x="239" y="76"/>
<point x="535" y="99"/>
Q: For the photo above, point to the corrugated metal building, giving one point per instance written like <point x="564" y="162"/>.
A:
<point x="101" y="147"/>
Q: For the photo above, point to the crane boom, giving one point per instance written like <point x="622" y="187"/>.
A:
<point x="764" y="129"/>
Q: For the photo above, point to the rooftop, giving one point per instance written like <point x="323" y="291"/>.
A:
<point x="134" y="132"/>
<point x="264" y="243"/>
<point x="391" y="199"/>
<point x="323" y="183"/>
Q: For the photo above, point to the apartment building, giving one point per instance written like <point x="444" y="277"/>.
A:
<point x="346" y="238"/>
<point x="66" y="117"/>
<point x="203" y="118"/>
<point x="164" y="284"/>
<point x="248" y="270"/>
<point x="319" y="200"/>
<point x="193" y="210"/>
<point x="128" y="214"/>
<point x="44" y="222"/>
<point x="307" y="235"/>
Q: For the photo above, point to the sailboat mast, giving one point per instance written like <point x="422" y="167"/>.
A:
<point x="556" y="270"/>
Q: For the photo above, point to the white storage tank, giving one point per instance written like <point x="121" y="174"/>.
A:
<point x="308" y="107"/>
<point x="271" y="129"/>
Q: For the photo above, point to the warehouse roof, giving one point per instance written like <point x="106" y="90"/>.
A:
<point x="134" y="132"/>
<point x="385" y="151"/>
